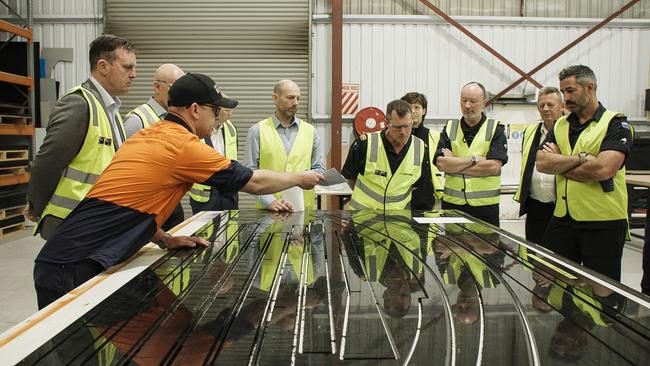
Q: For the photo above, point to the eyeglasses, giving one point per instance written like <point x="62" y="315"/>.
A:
<point x="404" y="127"/>
<point x="214" y="109"/>
<point x="164" y="82"/>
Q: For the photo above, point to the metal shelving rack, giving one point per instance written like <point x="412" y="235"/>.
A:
<point x="16" y="126"/>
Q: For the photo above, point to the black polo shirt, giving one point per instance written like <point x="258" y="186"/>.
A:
<point x="618" y="138"/>
<point x="423" y="196"/>
<point x="355" y="163"/>
<point x="498" y="146"/>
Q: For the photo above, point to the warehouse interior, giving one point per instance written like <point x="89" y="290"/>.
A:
<point x="349" y="58"/>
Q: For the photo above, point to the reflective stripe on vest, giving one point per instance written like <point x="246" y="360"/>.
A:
<point x="274" y="157"/>
<point x="462" y="189"/>
<point x="586" y="201"/>
<point x="274" y="253"/>
<point x="94" y="156"/>
<point x="378" y="235"/>
<point x="379" y="189"/>
<point x="201" y="192"/>
<point x="146" y="114"/>
<point x="526" y="146"/>
<point x="436" y="175"/>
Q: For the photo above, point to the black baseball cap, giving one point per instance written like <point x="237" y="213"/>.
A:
<point x="198" y="88"/>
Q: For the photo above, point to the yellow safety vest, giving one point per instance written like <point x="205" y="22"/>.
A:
<point x="586" y="201"/>
<point x="378" y="188"/>
<point x="146" y="114"/>
<point x="274" y="157"/>
<point x="583" y="299"/>
<point x="526" y="146"/>
<point x="201" y="192"/>
<point x="83" y="171"/>
<point x="436" y="175"/>
<point x="378" y="233"/>
<point x="462" y="259"/>
<point x="274" y="253"/>
<point x="462" y="189"/>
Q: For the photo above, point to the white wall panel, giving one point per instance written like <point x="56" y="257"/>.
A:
<point x="390" y="59"/>
<point x="532" y="8"/>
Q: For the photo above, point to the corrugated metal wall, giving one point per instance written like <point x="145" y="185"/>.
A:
<point x="532" y="8"/>
<point x="246" y="46"/>
<point x="395" y="57"/>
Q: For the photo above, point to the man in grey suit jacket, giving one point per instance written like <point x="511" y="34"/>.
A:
<point x="84" y="112"/>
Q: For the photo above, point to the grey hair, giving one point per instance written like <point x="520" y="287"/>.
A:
<point x="550" y="90"/>
<point x="582" y="73"/>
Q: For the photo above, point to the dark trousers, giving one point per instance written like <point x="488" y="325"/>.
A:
<point x="52" y="281"/>
<point x="538" y="215"/>
<point x="645" y="280"/>
<point x="489" y="214"/>
<point x="600" y="250"/>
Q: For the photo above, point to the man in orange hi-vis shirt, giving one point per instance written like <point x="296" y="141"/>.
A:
<point x="137" y="192"/>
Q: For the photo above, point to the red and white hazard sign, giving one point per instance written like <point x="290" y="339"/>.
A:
<point x="349" y="99"/>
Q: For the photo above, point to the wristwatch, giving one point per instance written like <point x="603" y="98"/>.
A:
<point x="474" y="160"/>
<point x="583" y="157"/>
<point x="161" y="242"/>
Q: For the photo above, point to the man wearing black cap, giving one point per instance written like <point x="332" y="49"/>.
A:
<point x="223" y="138"/>
<point x="136" y="193"/>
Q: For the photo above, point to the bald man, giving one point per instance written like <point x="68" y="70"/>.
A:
<point x="153" y="111"/>
<point x="471" y="152"/>
<point x="156" y="108"/>
<point x="284" y="143"/>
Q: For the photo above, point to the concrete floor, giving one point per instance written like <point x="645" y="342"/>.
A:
<point x="18" y="250"/>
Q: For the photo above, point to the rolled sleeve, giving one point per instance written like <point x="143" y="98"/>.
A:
<point x="317" y="164"/>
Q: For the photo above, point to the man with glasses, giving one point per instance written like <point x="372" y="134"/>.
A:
<point x="153" y="111"/>
<point x="284" y="143"/>
<point x="471" y="152"/>
<point x="138" y="191"/>
<point x="223" y="138"/>
<point x="156" y="108"/>
<point x="382" y="167"/>
<point x="83" y="133"/>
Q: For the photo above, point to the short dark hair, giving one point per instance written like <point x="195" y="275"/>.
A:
<point x="104" y="46"/>
<point x="582" y="73"/>
<point x="399" y="106"/>
<point x="415" y="98"/>
<point x="485" y="94"/>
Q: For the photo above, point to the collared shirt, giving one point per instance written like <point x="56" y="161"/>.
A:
<point x="217" y="139"/>
<point x="138" y="191"/>
<point x="133" y="123"/>
<point x="287" y="136"/>
<point x="542" y="185"/>
<point x="498" y="145"/>
<point x="355" y="163"/>
<point x="617" y="138"/>
<point x="112" y="108"/>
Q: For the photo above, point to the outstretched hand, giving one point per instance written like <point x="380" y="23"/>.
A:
<point x="308" y="179"/>
<point x="185" y="242"/>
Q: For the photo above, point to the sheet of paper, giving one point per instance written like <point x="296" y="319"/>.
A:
<point x="441" y="220"/>
<point x="332" y="176"/>
<point x="294" y="196"/>
<point x="341" y="188"/>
